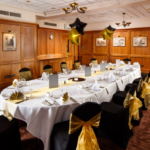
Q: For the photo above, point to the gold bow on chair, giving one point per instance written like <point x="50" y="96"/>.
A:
<point x="146" y="93"/>
<point x="134" y="104"/>
<point x="87" y="139"/>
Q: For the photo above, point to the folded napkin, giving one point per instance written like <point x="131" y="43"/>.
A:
<point x="130" y="68"/>
<point x="111" y="77"/>
<point x="21" y="84"/>
<point x="15" y="82"/>
<point x="45" y="76"/>
<point x="95" y="86"/>
<point x="136" y="65"/>
<point x="122" y="63"/>
<point x="17" y="95"/>
<point x="123" y="72"/>
<point x="61" y="102"/>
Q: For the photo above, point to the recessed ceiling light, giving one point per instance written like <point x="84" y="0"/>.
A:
<point x="28" y="1"/>
<point x="53" y="8"/>
<point x="148" y="9"/>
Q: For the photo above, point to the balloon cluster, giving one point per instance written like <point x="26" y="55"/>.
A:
<point x="107" y="33"/>
<point x="77" y="28"/>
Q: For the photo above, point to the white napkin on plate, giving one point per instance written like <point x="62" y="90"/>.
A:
<point x="123" y="72"/>
<point x="136" y="65"/>
<point x="61" y="102"/>
<point x="122" y="63"/>
<point x="44" y="76"/>
<point x="21" y="84"/>
<point x="130" y="68"/>
<point x="95" y="86"/>
<point x="111" y="77"/>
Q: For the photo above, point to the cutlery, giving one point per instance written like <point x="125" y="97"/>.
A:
<point x="19" y="102"/>
<point x="73" y="100"/>
<point x="56" y="103"/>
<point x="105" y="88"/>
<point x="47" y="102"/>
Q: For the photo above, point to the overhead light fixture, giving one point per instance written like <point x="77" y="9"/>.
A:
<point x="74" y="6"/>
<point x="53" y="8"/>
<point x="123" y="22"/>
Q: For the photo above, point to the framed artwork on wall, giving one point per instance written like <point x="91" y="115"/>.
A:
<point x="119" y="41"/>
<point x="139" y="41"/>
<point x="9" y="42"/>
<point x="100" y="42"/>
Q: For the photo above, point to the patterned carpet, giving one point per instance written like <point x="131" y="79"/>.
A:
<point x="139" y="141"/>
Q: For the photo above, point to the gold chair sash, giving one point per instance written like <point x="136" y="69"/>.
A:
<point x="94" y="61"/>
<point x="64" y="66"/>
<point x="26" y="75"/>
<point x="134" y="104"/>
<point x="87" y="139"/>
<point x="140" y="85"/>
<point x="77" y="65"/>
<point x="50" y="70"/>
<point x="146" y="79"/>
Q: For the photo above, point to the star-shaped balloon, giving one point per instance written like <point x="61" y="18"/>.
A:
<point x="79" y="26"/>
<point x="107" y="34"/>
<point x="111" y="28"/>
<point x="74" y="36"/>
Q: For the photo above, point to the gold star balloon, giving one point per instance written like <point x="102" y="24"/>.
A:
<point x="74" y="36"/>
<point x="107" y="34"/>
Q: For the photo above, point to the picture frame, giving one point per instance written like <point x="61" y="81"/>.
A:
<point x="9" y="41"/>
<point x="100" y="42"/>
<point x="140" y="41"/>
<point x="119" y="41"/>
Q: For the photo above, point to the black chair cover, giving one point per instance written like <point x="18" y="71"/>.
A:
<point x="60" y="139"/>
<point x="128" y="86"/>
<point x="47" y="67"/>
<point x="9" y="134"/>
<point x="114" y="124"/>
<point x="24" y="69"/>
<point x="119" y="97"/>
<point x="76" y="61"/>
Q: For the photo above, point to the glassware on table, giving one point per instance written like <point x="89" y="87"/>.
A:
<point x="129" y="62"/>
<point x="23" y="79"/>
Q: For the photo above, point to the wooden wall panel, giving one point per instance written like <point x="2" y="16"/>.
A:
<point x="100" y="49"/>
<point x="10" y="55"/>
<point x="50" y="43"/>
<point x="31" y="66"/>
<point x="101" y="58"/>
<point x="58" y="42"/>
<point x="113" y="59"/>
<point x="140" y="50"/>
<point x="87" y="42"/>
<point x="28" y="44"/>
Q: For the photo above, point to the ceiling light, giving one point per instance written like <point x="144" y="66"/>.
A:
<point x="123" y="22"/>
<point x="74" y="6"/>
<point x="53" y="8"/>
<point x="28" y="1"/>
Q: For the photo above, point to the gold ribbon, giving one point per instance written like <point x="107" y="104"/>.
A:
<point x="87" y="139"/>
<point x="26" y="75"/>
<point x="134" y="104"/>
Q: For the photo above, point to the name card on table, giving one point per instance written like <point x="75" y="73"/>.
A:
<point x="117" y="62"/>
<point x="102" y="66"/>
<point x="53" y="81"/>
<point x="87" y="71"/>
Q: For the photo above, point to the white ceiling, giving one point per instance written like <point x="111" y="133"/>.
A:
<point x="98" y="10"/>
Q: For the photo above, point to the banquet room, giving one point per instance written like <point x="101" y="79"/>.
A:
<point x="74" y="74"/>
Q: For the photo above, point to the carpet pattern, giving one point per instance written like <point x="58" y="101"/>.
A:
<point x="139" y="141"/>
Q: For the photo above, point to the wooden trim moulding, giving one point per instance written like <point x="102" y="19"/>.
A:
<point x="139" y="56"/>
<point x="52" y="56"/>
<point x="10" y="62"/>
<point x="118" y="55"/>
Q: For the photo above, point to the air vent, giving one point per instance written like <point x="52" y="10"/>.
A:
<point x="50" y="24"/>
<point x="4" y="12"/>
<point x="15" y="14"/>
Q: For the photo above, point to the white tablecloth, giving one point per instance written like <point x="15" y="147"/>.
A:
<point x="40" y="118"/>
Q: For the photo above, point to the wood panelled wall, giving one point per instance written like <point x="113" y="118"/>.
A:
<point x="111" y="53"/>
<point x="34" y="50"/>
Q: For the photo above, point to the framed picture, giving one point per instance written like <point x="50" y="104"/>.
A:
<point x="119" y="41"/>
<point x="9" y="41"/>
<point x="100" y="42"/>
<point x="139" y="41"/>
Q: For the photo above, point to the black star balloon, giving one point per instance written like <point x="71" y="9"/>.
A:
<point x="79" y="26"/>
<point x="111" y="28"/>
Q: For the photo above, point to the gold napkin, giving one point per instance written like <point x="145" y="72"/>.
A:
<point x="65" y="97"/>
<point x="17" y="96"/>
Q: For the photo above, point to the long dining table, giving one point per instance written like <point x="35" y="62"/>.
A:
<point x="40" y="118"/>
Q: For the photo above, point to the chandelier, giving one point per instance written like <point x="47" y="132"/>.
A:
<point x="74" y="6"/>
<point x="123" y="22"/>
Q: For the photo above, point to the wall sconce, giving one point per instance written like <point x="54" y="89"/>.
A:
<point x="118" y="35"/>
<point x="51" y="37"/>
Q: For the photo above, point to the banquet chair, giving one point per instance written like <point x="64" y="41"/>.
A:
<point x="126" y="60"/>
<point x="77" y="64"/>
<point x="63" y="65"/>
<point x="25" y="73"/>
<point x="48" y="69"/>
<point x="119" y="97"/>
<point x="94" y="61"/>
<point x="9" y="134"/>
<point x="114" y="124"/>
<point x="60" y="139"/>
